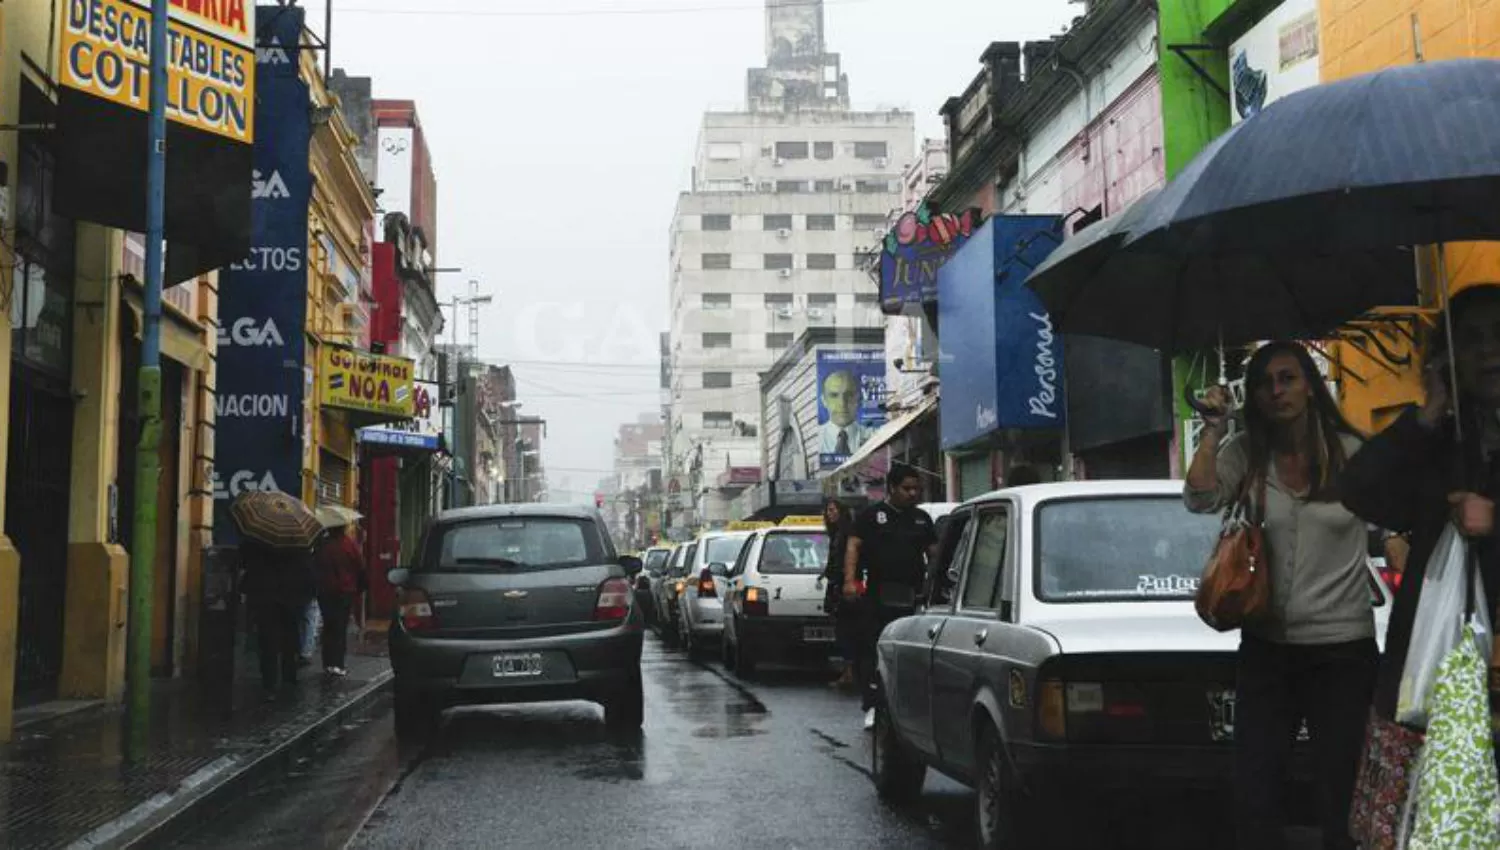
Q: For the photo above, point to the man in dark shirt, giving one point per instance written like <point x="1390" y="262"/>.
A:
<point x="888" y="550"/>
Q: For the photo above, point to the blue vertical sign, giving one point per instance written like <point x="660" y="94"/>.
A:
<point x="263" y="298"/>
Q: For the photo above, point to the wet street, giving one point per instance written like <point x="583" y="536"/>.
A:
<point x="779" y="762"/>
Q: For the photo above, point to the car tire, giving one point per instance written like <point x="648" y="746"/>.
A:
<point x="726" y="652"/>
<point x="999" y="822"/>
<point x="417" y="716"/>
<point x="744" y="661"/>
<point x="898" y="773"/>
<point x="666" y="627"/>
<point x="625" y="710"/>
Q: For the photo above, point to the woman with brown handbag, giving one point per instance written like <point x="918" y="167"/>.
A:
<point x="1310" y="653"/>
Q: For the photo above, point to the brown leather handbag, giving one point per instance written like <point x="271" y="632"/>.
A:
<point x="1236" y="586"/>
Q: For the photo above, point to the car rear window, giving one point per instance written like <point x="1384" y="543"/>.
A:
<point x="1121" y="549"/>
<point x="788" y="552"/>
<point x="656" y="559"/>
<point x="514" y="544"/>
<point x="723" y="550"/>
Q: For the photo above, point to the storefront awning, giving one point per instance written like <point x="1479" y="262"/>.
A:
<point x="881" y="438"/>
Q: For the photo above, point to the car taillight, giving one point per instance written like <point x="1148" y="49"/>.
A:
<point x="1391" y="578"/>
<point x="706" y="585"/>
<point x="1052" y="710"/>
<point x="756" y="602"/>
<point x="614" y="600"/>
<point x="678" y="588"/>
<point x="415" y="610"/>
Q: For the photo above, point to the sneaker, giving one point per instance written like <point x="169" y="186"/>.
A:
<point x="339" y="671"/>
<point x="869" y="720"/>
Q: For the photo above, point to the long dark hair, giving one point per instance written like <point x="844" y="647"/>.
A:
<point x="839" y="526"/>
<point x="1325" y="422"/>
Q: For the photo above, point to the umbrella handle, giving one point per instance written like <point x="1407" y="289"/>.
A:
<point x="1198" y="406"/>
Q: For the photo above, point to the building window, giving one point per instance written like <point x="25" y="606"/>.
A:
<point x="824" y="186"/>
<point x="778" y="261"/>
<point x="715" y="262"/>
<point x="870" y="150"/>
<point x="791" y="187"/>
<point x="866" y="299"/>
<point x="717" y="420"/>
<point x="776" y="222"/>
<point x="717" y="301"/>
<point x="718" y="222"/>
<point x="866" y="259"/>
<point x="822" y="222"/>
<point x="872" y="187"/>
<point x="791" y="150"/>
<point x="723" y="151"/>
<point x="778" y="341"/>
<point x="778" y="299"/>
<point x="823" y="150"/>
<point x="825" y="300"/>
<point x="718" y="340"/>
<point x="868" y="221"/>
<point x="718" y="380"/>
<point x="822" y="262"/>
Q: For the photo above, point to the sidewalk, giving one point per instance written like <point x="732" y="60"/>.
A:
<point x="68" y="782"/>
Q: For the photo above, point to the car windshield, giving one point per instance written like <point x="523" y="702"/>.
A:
<point x="723" y="550"/>
<point x="515" y="543"/>
<point x="794" y="552"/>
<point x="1120" y="549"/>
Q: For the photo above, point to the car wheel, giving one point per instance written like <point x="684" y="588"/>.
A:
<point x="744" y="661"/>
<point x="999" y="823"/>
<point x="417" y="716"/>
<point x="625" y="710"/>
<point x="726" y="652"/>
<point x="667" y="628"/>
<point x="898" y="773"/>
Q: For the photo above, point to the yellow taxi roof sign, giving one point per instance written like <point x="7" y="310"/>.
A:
<point x="803" y="521"/>
<point x="747" y="525"/>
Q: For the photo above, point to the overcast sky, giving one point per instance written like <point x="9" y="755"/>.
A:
<point x="562" y="132"/>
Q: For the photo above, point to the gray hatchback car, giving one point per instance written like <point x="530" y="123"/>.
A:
<point x="516" y="604"/>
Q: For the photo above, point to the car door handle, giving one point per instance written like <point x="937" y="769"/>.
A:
<point x="932" y="632"/>
<point x="981" y="636"/>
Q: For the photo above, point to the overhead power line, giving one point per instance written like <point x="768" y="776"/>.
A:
<point x="579" y="13"/>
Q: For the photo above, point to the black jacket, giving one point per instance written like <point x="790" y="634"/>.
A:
<point x="1400" y="481"/>
<point x="282" y="576"/>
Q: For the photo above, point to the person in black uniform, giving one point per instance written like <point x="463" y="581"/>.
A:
<point x="888" y="550"/>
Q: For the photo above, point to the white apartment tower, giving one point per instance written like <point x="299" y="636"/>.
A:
<point x="789" y="201"/>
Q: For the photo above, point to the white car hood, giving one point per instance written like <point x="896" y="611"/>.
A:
<point x="1169" y="632"/>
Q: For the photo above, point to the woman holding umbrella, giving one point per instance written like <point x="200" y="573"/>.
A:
<point x="1313" y="655"/>
<point x="1416" y="476"/>
<point x="277" y="534"/>
<point x="340" y="570"/>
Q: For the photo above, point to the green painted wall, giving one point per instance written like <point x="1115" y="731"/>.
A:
<point x="1194" y="113"/>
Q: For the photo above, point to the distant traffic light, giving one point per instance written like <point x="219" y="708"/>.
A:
<point x="598" y="499"/>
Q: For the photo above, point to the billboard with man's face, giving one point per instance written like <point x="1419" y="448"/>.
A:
<point x="851" y="388"/>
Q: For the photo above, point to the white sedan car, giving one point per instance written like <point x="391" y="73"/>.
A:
<point x="773" y="610"/>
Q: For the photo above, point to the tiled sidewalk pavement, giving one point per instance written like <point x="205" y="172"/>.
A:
<point x="69" y="782"/>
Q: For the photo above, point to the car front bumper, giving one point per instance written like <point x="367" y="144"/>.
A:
<point x="588" y="666"/>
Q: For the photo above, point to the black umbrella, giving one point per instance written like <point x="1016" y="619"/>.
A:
<point x="1087" y="252"/>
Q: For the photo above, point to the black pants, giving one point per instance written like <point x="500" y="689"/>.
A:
<point x="871" y="618"/>
<point x="1330" y="685"/>
<point x="278" y="627"/>
<point x="335" y="610"/>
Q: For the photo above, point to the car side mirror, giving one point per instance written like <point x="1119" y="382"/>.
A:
<point x="398" y="576"/>
<point x="719" y="569"/>
<point x="631" y="563"/>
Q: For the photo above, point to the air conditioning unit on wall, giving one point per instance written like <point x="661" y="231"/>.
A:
<point x="784" y="233"/>
<point x="785" y="273"/>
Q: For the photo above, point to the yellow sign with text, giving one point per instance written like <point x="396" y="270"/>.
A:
<point x="106" y="53"/>
<point x="370" y="383"/>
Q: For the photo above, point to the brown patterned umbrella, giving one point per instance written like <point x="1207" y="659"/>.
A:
<point x="275" y="519"/>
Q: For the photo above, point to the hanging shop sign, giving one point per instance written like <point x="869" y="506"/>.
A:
<point x="261" y="386"/>
<point x="851" y="389"/>
<point x="423" y="432"/>
<point x="371" y="383"/>
<point x="914" y="250"/>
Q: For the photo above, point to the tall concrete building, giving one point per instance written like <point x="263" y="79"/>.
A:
<point x="789" y="200"/>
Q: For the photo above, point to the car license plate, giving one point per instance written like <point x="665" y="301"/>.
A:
<point x="518" y="665"/>
<point x="1221" y="706"/>
<point x="817" y="634"/>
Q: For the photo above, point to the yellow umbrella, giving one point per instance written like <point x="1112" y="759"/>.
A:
<point x="337" y="516"/>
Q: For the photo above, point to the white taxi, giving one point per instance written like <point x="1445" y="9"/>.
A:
<point x="774" y="604"/>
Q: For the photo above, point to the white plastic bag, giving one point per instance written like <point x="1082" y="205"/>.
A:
<point x="1439" y="625"/>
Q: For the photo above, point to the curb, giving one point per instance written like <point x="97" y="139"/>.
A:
<point x="219" y="782"/>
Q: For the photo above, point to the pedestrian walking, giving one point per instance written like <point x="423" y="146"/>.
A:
<point x="1313" y="655"/>
<point x="1415" y="477"/>
<point x="836" y="521"/>
<point x="277" y="585"/>
<point x="888" y="550"/>
<point x="340" y="570"/>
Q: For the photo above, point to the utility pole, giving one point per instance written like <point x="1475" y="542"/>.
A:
<point x="148" y="399"/>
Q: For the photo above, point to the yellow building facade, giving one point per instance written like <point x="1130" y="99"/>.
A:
<point x="1360" y="36"/>
<point x="68" y="356"/>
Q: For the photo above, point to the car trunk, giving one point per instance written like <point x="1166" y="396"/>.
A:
<point x="501" y="604"/>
